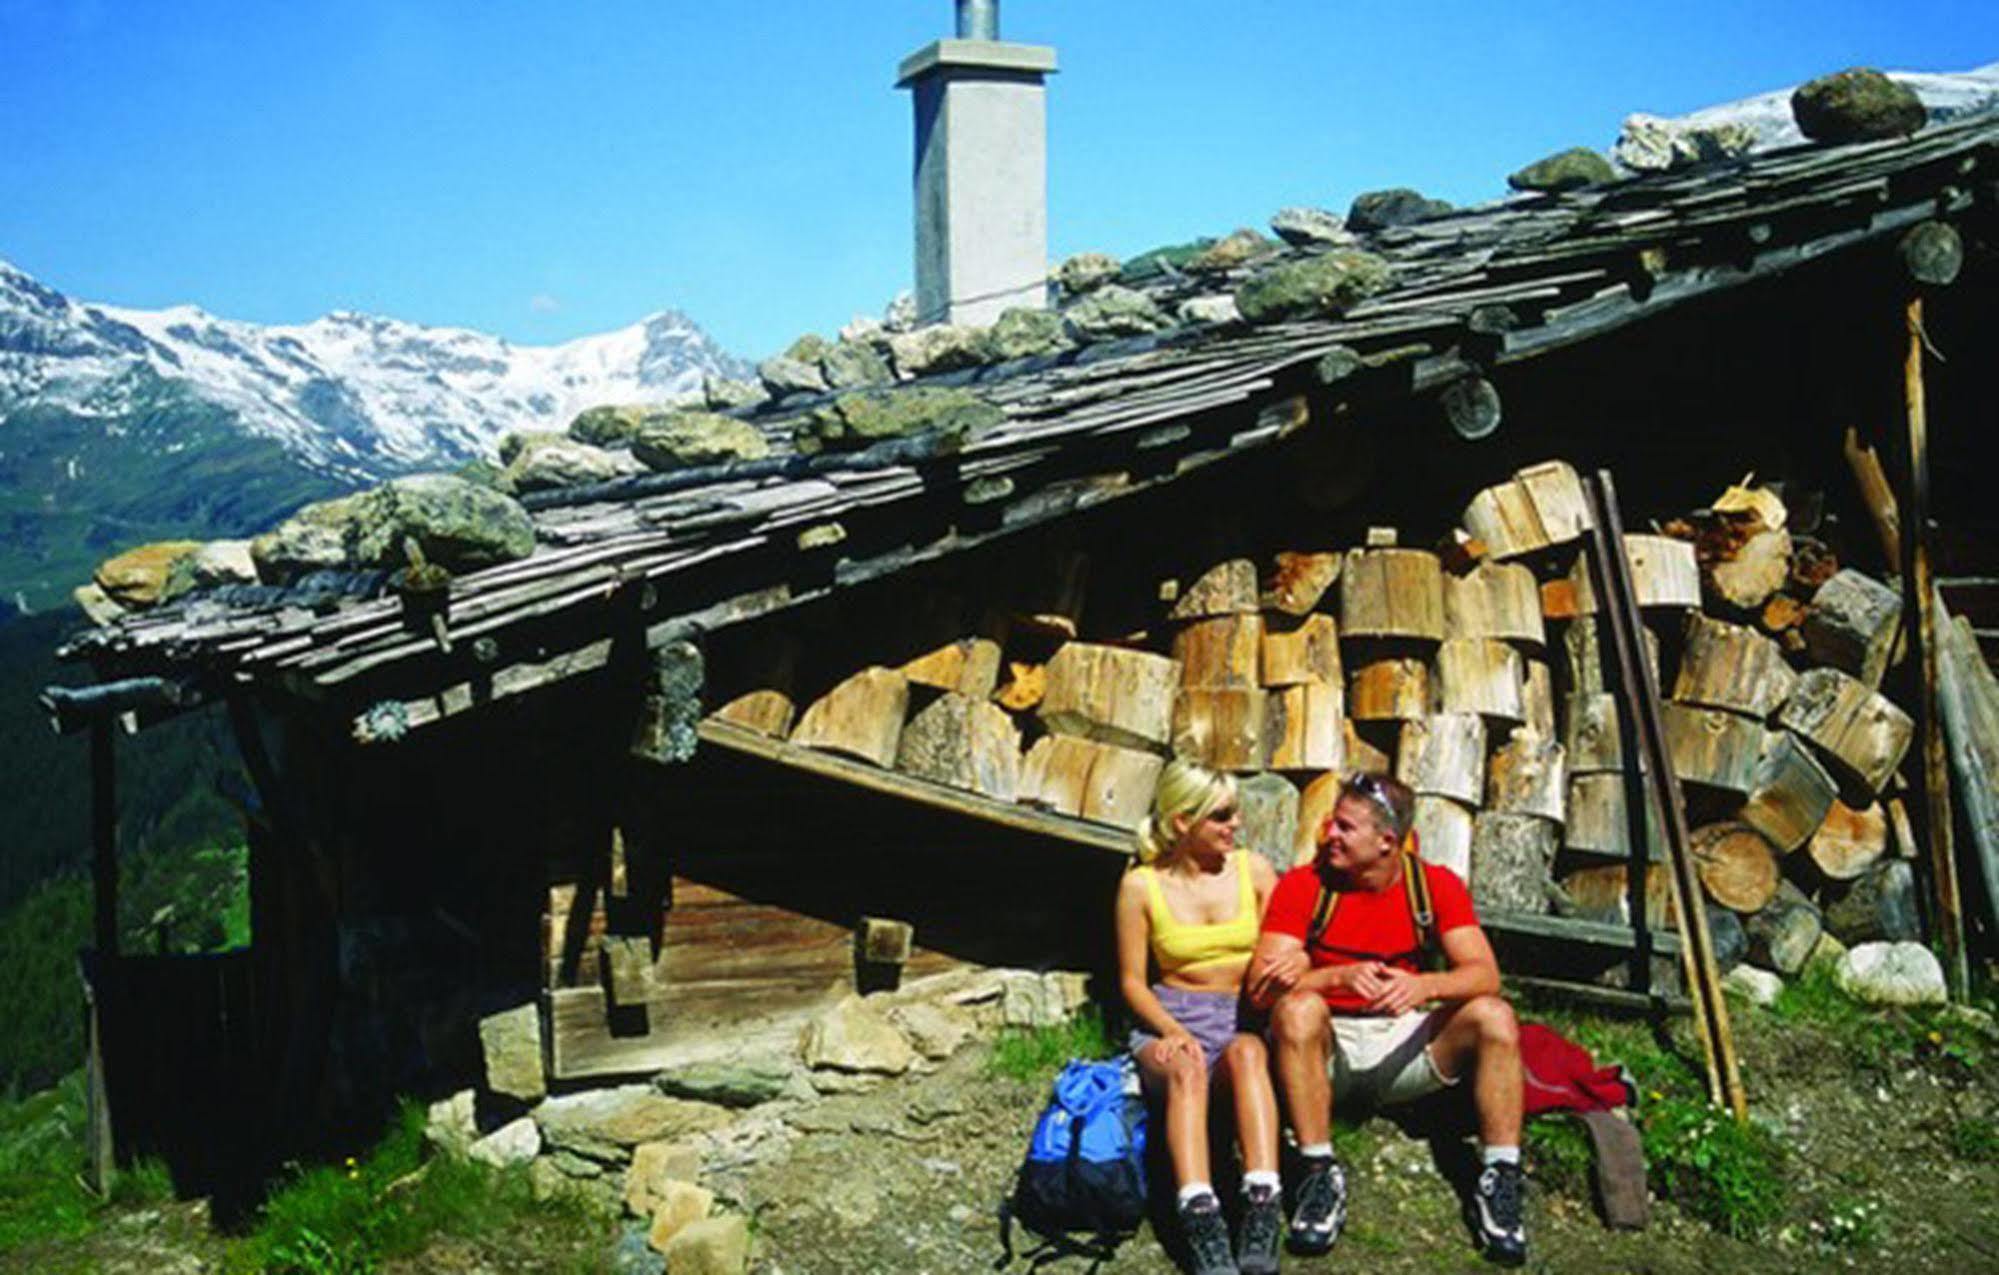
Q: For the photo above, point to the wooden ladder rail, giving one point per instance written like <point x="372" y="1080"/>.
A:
<point x="1618" y="604"/>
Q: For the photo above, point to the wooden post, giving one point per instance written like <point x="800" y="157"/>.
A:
<point x="1613" y="574"/>
<point x="1919" y="599"/>
<point x="104" y="835"/>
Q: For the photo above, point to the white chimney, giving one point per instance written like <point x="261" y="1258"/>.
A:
<point x="981" y="170"/>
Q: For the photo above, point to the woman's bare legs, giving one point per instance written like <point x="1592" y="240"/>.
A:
<point x="1183" y="1078"/>
<point x="1245" y="1069"/>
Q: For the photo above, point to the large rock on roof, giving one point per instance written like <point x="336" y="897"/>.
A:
<point x="1856" y="105"/>
<point x="1311" y="228"/>
<point x="1238" y="248"/>
<point x="852" y="365"/>
<point x="721" y="394"/>
<point x="679" y="440"/>
<point x="137" y="577"/>
<point x="1649" y="144"/>
<point x="940" y="347"/>
<point x="1401" y="206"/>
<point x="868" y="416"/>
<point x="210" y="565"/>
<point x="1022" y="333"/>
<point x="1086" y="270"/>
<point x="1114" y="311"/>
<point x="539" y="461"/>
<point x="1322" y="285"/>
<point x="1571" y="169"/>
<point x="459" y="526"/>
<point x="609" y="426"/>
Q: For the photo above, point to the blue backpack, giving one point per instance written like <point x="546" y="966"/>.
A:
<point x="1085" y="1168"/>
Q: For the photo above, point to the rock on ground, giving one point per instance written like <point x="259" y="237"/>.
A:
<point x="453" y="1124"/>
<point x="654" y="1164"/>
<point x="1892" y="974"/>
<point x="678" y="1206"/>
<point x="711" y="1246"/>
<point x="855" y="1036"/>
<point x="1758" y="987"/>
<point x="516" y="1142"/>
<point x="733" y="1083"/>
<point x="511" y="1043"/>
<point x="603" y="1124"/>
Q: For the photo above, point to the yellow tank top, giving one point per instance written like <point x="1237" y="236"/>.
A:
<point x="1179" y="946"/>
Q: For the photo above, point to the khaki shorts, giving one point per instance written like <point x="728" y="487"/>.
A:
<point x="1383" y="1061"/>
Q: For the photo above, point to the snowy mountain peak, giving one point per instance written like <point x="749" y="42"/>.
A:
<point x="356" y="396"/>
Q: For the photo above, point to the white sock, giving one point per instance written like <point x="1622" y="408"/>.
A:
<point x="1317" y="1151"/>
<point x="1261" y="1177"/>
<point x="1502" y="1155"/>
<point x="1194" y="1191"/>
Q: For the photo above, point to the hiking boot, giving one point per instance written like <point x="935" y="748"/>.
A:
<point x="1262" y="1224"/>
<point x="1322" y="1207"/>
<point x="1502" y="1227"/>
<point x="1207" y="1235"/>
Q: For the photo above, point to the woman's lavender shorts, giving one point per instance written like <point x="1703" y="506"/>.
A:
<point x="1212" y="1018"/>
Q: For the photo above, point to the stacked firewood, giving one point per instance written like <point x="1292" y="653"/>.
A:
<point x="1475" y="672"/>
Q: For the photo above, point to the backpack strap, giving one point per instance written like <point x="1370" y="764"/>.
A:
<point x="1422" y="910"/>
<point x="1322" y="913"/>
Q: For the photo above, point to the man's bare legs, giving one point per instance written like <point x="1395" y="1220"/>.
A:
<point x="1481" y="1035"/>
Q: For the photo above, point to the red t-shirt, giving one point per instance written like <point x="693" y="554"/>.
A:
<point x="1367" y="925"/>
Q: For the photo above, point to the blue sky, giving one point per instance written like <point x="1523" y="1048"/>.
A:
<point x="547" y="170"/>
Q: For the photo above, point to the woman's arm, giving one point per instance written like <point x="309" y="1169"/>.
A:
<point x="1134" y="930"/>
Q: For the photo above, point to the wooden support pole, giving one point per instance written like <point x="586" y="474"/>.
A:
<point x="104" y="835"/>
<point x="1612" y="577"/>
<point x="1919" y="600"/>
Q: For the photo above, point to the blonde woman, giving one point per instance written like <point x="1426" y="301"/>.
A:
<point x="1192" y="908"/>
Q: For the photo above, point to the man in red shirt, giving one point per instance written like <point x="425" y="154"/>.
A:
<point x="1355" y="1016"/>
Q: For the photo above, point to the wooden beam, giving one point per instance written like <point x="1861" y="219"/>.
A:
<point x="896" y="784"/>
<point x="104" y="835"/>
<point x="1919" y="600"/>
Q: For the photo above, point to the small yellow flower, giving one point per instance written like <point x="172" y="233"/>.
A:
<point x="1936" y="1038"/>
<point x="1658" y="1096"/>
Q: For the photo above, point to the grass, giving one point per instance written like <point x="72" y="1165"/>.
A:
<point x="350" y="1218"/>
<point x="41" y="1157"/>
<point x="1034" y="1054"/>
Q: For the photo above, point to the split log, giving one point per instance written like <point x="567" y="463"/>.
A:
<point x="1510" y="857"/>
<point x="1362" y="755"/>
<point x="765" y="712"/>
<point x="1664" y="573"/>
<point x="1481" y="675"/>
<point x="1096" y="781"/>
<point x="1558" y="599"/>
<point x="1226" y="650"/>
<point x="1308" y="653"/>
<point x="1299" y="581"/>
<point x="1905" y="832"/>
<point x="1539" y="506"/>
<point x="1537" y="698"/>
<point x="1392" y="593"/>
<point x="969" y="666"/>
<point x="1932" y="252"/>
<point x="1582" y="647"/>
<point x="1791" y="794"/>
<point x="1783" y="934"/>
<point x="1736" y="864"/>
<point x="1715" y="749"/>
<point x="1527" y="776"/>
<point x="1389" y="690"/>
<point x="1596" y="818"/>
<point x="1223" y="727"/>
<point x="1444" y="756"/>
<point x="1781" y="614"/>
<point x="1877" y="495"/>
<point x="1443" y="832"/>
<point x="1110" y="694"/>
<point x="1269" y="805"/>
<point x="1877" y="906"/>
<point x="964" y="743"/>
<point x="1850" y="841"/>
<point x="1307" y="727"/>
<point x="1315" y="803"/>
<point x="861" y="717"/>
<point x="1471" y="407"/>
<point x="1120" y="787"/>
<point x="1603" y="894"/>
<point x="1744" y="581"/>
<point x="1055" y="774"/>
<point x="1968" y="696"/>
<point x="1593" y="742"/>
<point x="1855" y="729"/>
<point x="1852" y="625"/>
<point x="1494" y="600"/>
<point x="1023" y="686"/>
<point x="1227" y="588"/>
<point x="1732" y="667"/>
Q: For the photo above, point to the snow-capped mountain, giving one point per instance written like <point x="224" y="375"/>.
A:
<point x="355" y="395"/>
<point x="119" y="426"/>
